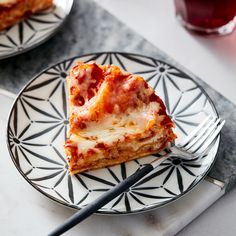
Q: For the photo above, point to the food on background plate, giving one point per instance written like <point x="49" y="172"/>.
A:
<point x="12" y="11"/>
<point x="115" y="117"/>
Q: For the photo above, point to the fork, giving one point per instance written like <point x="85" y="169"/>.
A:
<point x="194" y="146"/>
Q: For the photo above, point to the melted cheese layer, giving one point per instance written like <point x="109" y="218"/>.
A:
<point x="7" y="1"/>
<point x="114" y="128"/>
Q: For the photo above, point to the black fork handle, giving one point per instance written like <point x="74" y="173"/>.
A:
<point x="102" y="200"/>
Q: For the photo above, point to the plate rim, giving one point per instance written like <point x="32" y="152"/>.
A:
<point x="52" y="33"/>
<point x="106" y="212"/>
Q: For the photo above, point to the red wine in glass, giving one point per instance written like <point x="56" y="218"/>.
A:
<point x="207" y="16"/>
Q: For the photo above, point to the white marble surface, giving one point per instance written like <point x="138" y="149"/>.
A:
<point x="217" y="220"/>
<point x="24" y="211"/>
<point x="211" y="58"/>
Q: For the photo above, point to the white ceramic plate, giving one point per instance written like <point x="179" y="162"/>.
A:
<point x="34" y="30"/>
<point x="38" y="124"/>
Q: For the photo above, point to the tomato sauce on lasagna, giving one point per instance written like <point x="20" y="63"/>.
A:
<point x="115" y="117"/>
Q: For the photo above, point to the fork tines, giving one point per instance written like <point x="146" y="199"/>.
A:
<point x="203" y="136"/>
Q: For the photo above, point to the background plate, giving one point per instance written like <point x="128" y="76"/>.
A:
<point x="34" y="30"/>
<point x="38" y="123"/>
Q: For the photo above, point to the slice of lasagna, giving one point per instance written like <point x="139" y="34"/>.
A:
<point x="114" y="117"/>
<point x="12" y="11"/>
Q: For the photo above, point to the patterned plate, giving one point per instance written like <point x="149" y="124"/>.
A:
<point x="38" y="125"/>
<point x="34" y="30"/>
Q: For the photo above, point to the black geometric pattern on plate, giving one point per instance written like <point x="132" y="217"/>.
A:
<point x="38" y="125"/>
<point x="33" y="30"/>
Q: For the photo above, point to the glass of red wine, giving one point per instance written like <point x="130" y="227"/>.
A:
<point x="207" y="16"/>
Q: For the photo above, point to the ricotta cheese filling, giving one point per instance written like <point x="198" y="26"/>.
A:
<point x="114" y="127"/>
<point x="7" y="1"/>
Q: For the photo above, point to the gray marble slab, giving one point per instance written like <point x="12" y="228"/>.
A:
<point x="90" y="28"/>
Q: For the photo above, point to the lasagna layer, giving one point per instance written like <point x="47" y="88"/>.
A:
<point x="12" y="11"/>
<point x="114" y="117"/>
